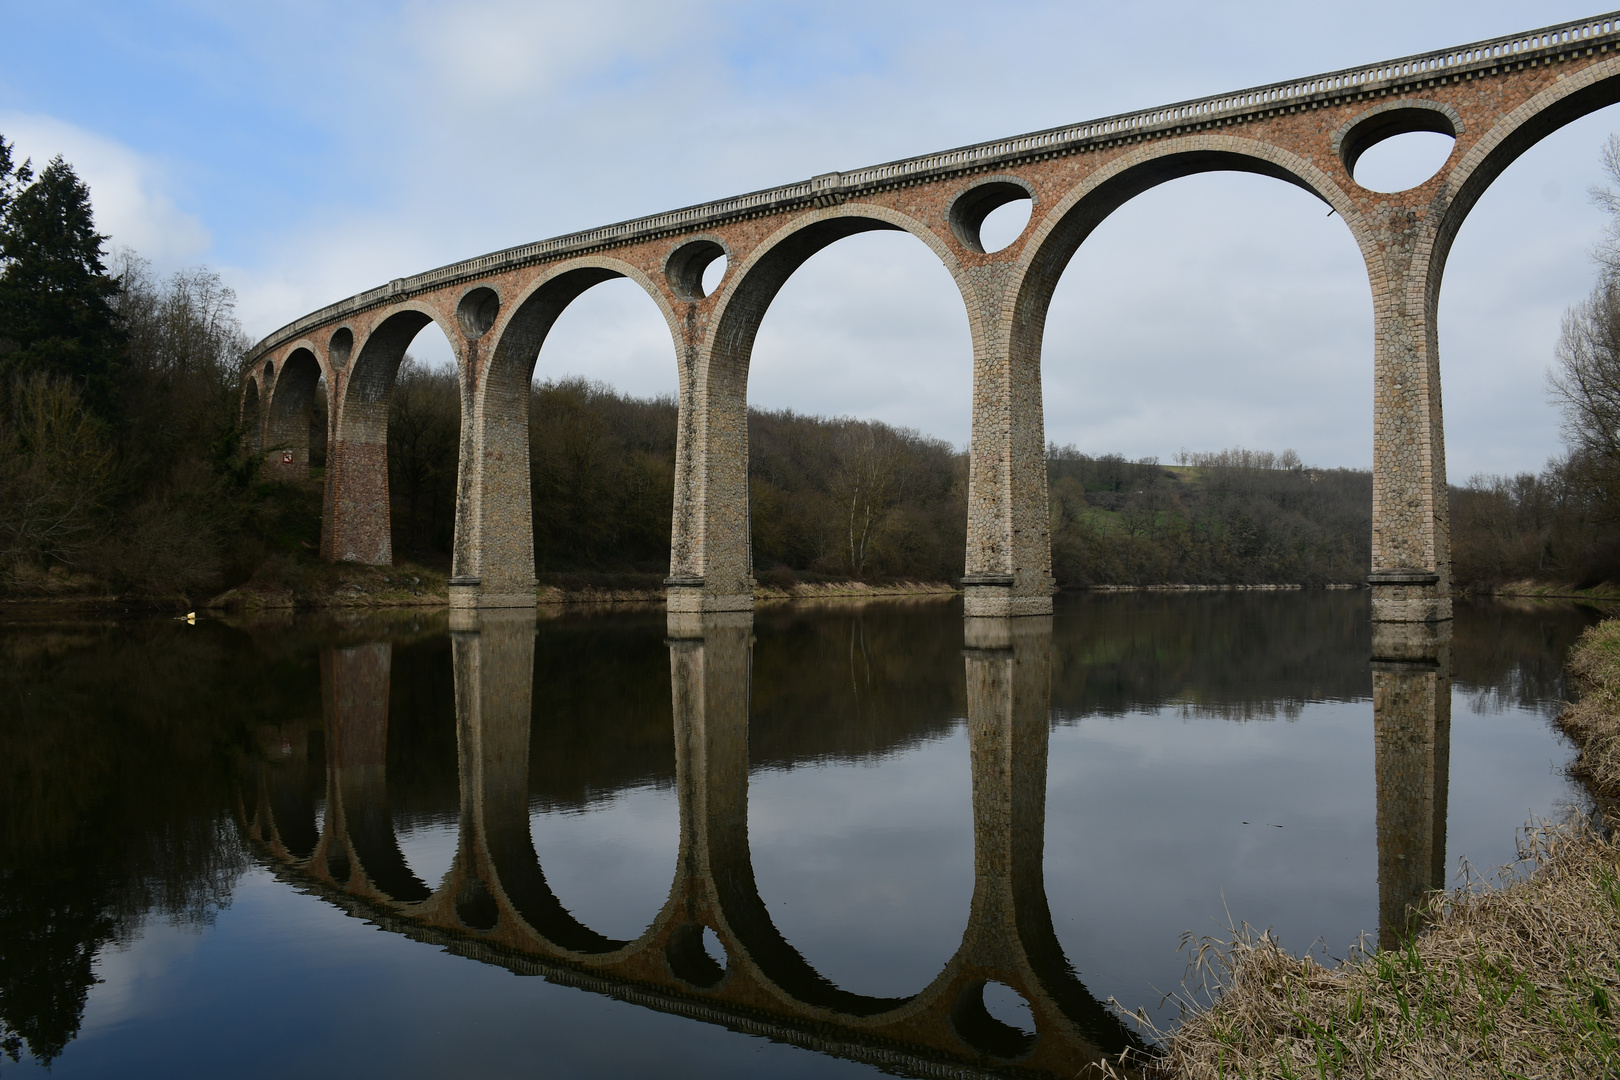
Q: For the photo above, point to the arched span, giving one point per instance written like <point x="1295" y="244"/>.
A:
<point x="291" y="400"/>
<point x="363" y="414"/>
<point x="741" y="305"/>
<point x="494" y="546"/>
<point x="1066" y="226"/>
<point x="357" y="519"/>
<point x="1564" y="102"/>
<point x="524" y="322"/>
<point x="710" y="563"/>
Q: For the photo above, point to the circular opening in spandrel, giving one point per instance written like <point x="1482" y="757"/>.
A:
<point x="994" y="1019"/>
<point x="991" y="215"/>
<point x="695" y="269"/>
<point x="1398" y="149"/>
<point x="477" y="311"/>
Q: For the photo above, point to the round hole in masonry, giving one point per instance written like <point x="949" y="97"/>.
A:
<point x="1394" y="149"/>
<point x="475" y="907"/>
<point x="341" y="345"/>
<point x="696" y="956"/>
<point x="994" y="1019"/>
<point x="712" y="275"/>
<point x="477" y="311"/>
<point x="1005" y="224"/>
<point x="991" y="215"/>
<point x="690" y="269"/>
<point x="1403" y="162"/>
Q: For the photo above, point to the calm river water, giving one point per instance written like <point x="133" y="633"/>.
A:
<point x="825" y="841"/>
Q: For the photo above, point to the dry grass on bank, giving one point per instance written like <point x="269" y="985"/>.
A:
<point x="1594" y="721"/>
<point x="285" y="583"/>
<point x="1520" y="980"/>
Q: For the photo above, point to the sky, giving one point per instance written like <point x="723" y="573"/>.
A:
<point x="307" y="151"/>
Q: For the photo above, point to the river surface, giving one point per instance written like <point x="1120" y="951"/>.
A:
<point x="822" y="841"/>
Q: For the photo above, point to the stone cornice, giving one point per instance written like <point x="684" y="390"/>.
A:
<point x="1599" y="34"/>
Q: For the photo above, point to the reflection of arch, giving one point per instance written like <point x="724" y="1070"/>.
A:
<point x="287" y="424"/>
<point x="1009" y="937"/>
<point x="358" y="526"/>
<point x="494" y="668"/>
<point x="711" y="680"/>
<point x="710" y="566"/>
<point x="494" y="550"/>
<point x="494" y="905"/>
<point x="355" y="693"/>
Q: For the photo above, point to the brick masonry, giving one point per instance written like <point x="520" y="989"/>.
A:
<point x="1497" y="97"/>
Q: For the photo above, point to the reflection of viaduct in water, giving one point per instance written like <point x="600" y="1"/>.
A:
<point x="1412" y="743"/>
<point x="495" y="905"/>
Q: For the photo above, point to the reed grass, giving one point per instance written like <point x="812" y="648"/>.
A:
<point x="1521" y="979"/>
<point x="1593" y="722"/>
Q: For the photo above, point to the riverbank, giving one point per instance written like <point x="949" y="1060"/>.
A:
<point x="290" y="585"/>
<point x="1519" y="979"/>
<point x="1543" y="590"/>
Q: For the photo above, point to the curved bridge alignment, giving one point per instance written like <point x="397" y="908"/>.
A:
<point x="1496" y="97"/>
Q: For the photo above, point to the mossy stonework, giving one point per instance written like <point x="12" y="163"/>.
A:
<point x="1497" y="99"/>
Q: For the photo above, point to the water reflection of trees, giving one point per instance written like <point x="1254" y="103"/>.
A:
<point x="1510" y="654"/>
<point x="114" y="801"/>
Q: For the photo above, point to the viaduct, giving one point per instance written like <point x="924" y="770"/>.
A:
<point x="495" y="906"/>
<point x="1497" y="98"/>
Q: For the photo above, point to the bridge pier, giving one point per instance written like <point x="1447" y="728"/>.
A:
<point x="1009" y="541"/>
<point x="1411" y="518"/>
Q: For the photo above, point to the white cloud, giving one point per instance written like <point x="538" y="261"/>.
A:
<point x="128" y="190"/>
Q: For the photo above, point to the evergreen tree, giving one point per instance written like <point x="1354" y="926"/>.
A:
<point x="56" y="297"/>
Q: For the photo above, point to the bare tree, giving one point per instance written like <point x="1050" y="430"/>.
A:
<point x="1585" y="380"/>
<point x="870" y="474"/>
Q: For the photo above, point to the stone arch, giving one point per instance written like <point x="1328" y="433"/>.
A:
<point x="1054" y="242"/>
<point x="494" y="547"/>
<point x="1009" y="556"/>
<point x="286" y="428"/>
<point x="252" y="418"/>
<point x="1562" y="103"/>
<point x="357" y="526"/>
<point x="710" y="560"/>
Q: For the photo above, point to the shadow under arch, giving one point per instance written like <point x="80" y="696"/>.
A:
<point x="357" y="508"/>
<point x="494" y="547"/>
<point x="291" y="403"/>
<point x="713" y="449"/>
<point x="1066" y="226"/>
<point x="252" y="415"/>
<point x="1560" y="104"/>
